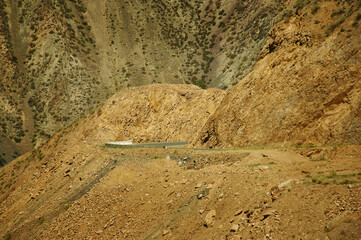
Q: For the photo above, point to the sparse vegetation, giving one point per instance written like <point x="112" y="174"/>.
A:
<point x="335" y="25"/>
<point x="41" y="220"/>
<point x="356" y="21"/>
<point x="66" y="206"/>
<point x="338" y="12"/>
<point x="192" y="42"/>
<point x="254" y="164"/>
<point x="334" y="178"/>
<point x="315" y="9"/>
<point x="300" y="4"/>
<point x="8" y="236"/>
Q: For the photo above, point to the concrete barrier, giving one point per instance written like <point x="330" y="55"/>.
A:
<point x="146" y="145"/>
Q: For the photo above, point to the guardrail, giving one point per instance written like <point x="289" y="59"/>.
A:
<point x="129" y="144"/>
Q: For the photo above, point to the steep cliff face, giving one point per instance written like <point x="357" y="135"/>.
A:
<point x="304" y="90"/>
<point x="64" y="57"/>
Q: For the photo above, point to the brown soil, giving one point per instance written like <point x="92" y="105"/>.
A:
<point x="75" y="188"/>
<point x="87" y="193"/>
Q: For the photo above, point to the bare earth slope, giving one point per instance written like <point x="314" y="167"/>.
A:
<point x="263" y="194"/>
<point x="148" y="113"/>
<point x="304" y="90"/>
<point x="80" y="192"/>
<point x="73" y="188"/>
<point x="153" y="113"/>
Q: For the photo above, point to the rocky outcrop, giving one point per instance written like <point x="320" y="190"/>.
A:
<point x="304" y="90"/>
<point x="154" y="113"/>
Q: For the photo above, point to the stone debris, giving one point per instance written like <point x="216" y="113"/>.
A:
<point x="184" y="181"/>
<point x="238" y="212"/>
<point x="209" y="186"/>
<point x="210" y="217"/>
<point x="285" y="184"/>
<point x="268" y="213"/>
<point x="262" y="168"/>
<point x="234" y="228"/>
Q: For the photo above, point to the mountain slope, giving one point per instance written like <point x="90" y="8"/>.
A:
<point x="73" y="187"/>
<point x="148" y="113"/>
<point x="10" y="107"/>
<point x="304" y="90"/>
<point x="65" y="57"/>
<point x="154" y="113"/>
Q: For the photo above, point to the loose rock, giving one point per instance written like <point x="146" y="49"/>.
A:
<point x="184" y="181"/>
<point x="209" y="186"/>
<point x="238" y="212"/>
<point x="285" y="184"/>
<point x="234" y="228"/>
<point x="268" y="213"/>
<point x="209" y="219"/>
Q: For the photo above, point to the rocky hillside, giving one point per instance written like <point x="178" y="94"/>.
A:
<point x="149" y="113"/>
<point x="62" y="58"/>
<point x="10" y="108"/>
<point x="74" y="188"/>
<point x="154" y="113"/>
<point x="304" y="90"/>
